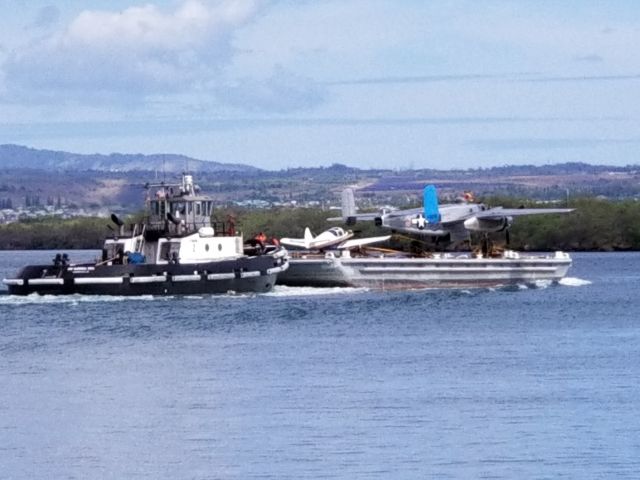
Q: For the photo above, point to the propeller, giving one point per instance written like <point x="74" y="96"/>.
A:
<point x="116" y="220"/>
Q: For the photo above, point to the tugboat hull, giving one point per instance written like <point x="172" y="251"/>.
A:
<point x="250" y="274"/>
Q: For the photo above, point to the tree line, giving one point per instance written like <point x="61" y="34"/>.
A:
<point x="598" y="225"/>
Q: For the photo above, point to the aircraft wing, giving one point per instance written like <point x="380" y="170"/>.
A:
<point x="359" y="242"/>
<point x="404" y="213"/>
<point x="372" y="216"/>
<point x="358" y="216"/>
<point x="499" y="212"/>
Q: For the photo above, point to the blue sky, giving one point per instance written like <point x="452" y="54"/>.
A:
<point x="367" y="83"/>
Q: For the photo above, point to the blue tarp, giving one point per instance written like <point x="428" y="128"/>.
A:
<point x="136" y="257"/>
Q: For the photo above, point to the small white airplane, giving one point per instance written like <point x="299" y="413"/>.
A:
<point x="335" y="237"/>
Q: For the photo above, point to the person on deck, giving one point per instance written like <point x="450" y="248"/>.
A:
<point x="261" y="238"/>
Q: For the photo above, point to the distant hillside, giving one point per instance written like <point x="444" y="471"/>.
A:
<point x="16" y="156"/>
<point x="33" y="178"/>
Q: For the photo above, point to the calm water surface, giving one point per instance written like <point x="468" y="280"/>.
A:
<point x="326" y="383"/>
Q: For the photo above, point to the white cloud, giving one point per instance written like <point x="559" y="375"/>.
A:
<point x="137" y="51"/>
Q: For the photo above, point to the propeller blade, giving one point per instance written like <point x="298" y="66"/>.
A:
<point x="116" y="220"/>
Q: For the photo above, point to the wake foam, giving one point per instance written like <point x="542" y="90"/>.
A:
<point x="543" y="283"/>
<point x="285" y="291"/>
<point x="573" y="282"/>
<point x="35" y="299"/>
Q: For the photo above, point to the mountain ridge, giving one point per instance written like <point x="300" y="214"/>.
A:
<point x="13" y="156"/>
<point x="19" y="156"/>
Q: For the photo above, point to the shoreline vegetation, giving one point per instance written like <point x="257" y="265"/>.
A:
<point x="596" y="225"/>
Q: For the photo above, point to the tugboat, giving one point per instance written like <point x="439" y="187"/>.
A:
<point x="176" y="249"/>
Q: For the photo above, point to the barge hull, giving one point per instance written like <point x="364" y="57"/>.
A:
<point x="414" y="273"/>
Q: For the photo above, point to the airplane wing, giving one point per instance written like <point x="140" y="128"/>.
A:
<point x="499" y="212"/>
<point x="404" y="213"/>
<point x="359" y="242"/>
<point x="358" y="216"/>
<point x="372" y="216"/>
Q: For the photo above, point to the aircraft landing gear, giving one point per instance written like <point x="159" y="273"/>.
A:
<point x="485" y="245"/>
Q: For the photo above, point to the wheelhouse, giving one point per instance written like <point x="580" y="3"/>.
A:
<point x="178" y="207"/>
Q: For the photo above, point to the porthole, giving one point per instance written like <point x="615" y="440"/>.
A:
<point x="206" y="247"/>
<point x="219" y="247"/>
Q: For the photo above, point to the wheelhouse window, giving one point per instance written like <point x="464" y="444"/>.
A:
<point x="112" y="249"/>
<point x="165" y="249"/>
<point x="179" y="207"/>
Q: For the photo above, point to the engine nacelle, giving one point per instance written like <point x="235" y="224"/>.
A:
<point x="476" y="224"/>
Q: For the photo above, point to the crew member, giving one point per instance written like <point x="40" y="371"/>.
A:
<point x="261" y="238"/>
<point x="231" y="225"/>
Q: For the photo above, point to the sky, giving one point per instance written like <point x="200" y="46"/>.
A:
<point x="366" y="83"/>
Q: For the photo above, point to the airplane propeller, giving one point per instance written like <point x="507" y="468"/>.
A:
<point x="115" y="219"/>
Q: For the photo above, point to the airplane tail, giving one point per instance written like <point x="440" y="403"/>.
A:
<point x="348" y="204"/>
<point x="348" y="211"/>
<point x="308" y="237"/>
<point x="431" y="208"/>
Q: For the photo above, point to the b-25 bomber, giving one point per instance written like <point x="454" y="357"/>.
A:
<point x="451" y="222"/>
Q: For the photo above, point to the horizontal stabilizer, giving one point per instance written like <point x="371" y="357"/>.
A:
<point x="293" y="242"/>
<point x="299" y="242"/>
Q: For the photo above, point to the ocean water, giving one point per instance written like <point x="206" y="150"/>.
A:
<point x="326" y="383"/>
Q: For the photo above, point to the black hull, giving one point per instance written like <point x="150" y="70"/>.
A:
<point x="247" y="274"/>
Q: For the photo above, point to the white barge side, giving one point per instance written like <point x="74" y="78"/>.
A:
<point x="438" y="271"/>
